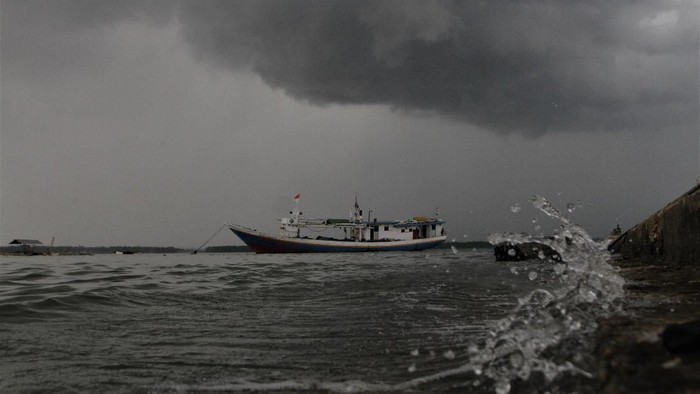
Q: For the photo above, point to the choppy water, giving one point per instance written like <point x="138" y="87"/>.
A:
<point x="442" y="320"/>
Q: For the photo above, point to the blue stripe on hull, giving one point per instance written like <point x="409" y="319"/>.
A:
<point x="264" y="244"/>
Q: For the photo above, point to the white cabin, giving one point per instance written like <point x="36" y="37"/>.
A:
<point x="416" y="228"/>
<point x="357" y="229"/>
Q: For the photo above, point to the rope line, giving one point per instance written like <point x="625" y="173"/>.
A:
<point x="207" y="241"/>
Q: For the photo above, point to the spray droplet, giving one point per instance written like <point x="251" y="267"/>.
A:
<point x="412" y="368"/>
<point x="454" y="250"/>
<point x="511" y="252"/>
<point x="532" y="275"/>
<point x="515" y="208"/>
<point x="449" y="354"/>
<point x="541" y="255"/>
<point x="570" y="207"/>
<point x="534" y="220"/>
<point x="514" y="270"/>
<point x="415" y="352"/>
<point x="502" y="387"/>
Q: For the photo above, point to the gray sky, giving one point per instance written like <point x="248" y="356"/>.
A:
<point x="153" y="122"/>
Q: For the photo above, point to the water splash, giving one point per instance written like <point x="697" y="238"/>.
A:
<point x="524" y="343"/>
<point x="574" y="206"/>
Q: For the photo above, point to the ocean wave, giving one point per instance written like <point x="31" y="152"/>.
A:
<point x="52" y="301"/>
<point x="12" y="313"/>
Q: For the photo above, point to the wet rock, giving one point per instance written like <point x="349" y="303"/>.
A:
<point x="682" y="338"/>
<point x="632" y="355"/>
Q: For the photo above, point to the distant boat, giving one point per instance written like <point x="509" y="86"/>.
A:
<point x="417" y="233"/>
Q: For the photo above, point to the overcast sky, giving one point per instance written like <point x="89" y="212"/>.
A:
<point x="154" y="122"/>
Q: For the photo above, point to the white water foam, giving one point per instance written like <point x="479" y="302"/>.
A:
<point x="520" y="345"/>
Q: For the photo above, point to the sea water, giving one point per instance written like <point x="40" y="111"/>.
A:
<point x="440" y="320"/>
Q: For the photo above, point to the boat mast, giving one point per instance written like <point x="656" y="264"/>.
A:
<point x="296" y="213"/>
<point x="357" y="212"/>
<point x="356" y="220"/>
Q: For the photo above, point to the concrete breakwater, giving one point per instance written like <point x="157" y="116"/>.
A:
<point x="671" y="235"/>
<point x="660" y="261"/>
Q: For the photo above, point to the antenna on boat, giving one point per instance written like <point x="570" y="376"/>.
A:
<point x="357" y="212"/>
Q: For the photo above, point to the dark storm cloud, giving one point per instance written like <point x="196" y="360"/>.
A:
<point x="533" y="66"/>
<point x="530" y="66"/>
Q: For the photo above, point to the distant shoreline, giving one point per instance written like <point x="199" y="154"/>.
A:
<point x="128" y="250"/>
<point x="86" y="250"/>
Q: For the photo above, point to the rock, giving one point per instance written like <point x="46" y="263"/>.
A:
<point x="682" y="338"/>
<point x="507" y="251"/>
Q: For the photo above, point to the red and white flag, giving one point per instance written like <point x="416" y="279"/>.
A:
<point x="296" y="198"/>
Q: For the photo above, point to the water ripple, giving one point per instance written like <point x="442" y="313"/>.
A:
<point x="246" y="322"/>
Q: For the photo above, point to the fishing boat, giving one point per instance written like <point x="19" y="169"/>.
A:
<point x="355" y="234"/>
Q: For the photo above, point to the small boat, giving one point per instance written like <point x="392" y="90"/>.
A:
<point x="358" y="235"/>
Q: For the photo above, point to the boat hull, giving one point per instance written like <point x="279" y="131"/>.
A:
<point x="262" y="243"/>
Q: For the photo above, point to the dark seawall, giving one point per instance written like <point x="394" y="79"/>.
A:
<point x="660" y="261"/>
<point x="671" y="235"/>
